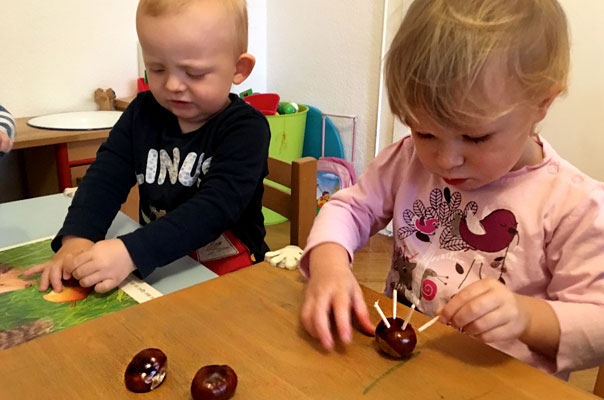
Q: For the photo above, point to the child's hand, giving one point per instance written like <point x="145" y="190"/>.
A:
<point x="332" y="286"/>
<point x="55" y="269"/>
<point x="104" y="266"/>
<point x="488" y="310"/>
<point x="5" y="142"/>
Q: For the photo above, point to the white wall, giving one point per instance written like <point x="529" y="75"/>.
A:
<point x="324" y="53"/>
<point x="327" y="54"/>
<point x="575" y="124"/>
<point x="54" y="54"/>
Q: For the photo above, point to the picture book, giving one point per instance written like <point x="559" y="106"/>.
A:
<point x="26" y="313"/>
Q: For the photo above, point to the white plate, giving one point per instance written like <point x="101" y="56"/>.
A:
<point x="77" y="121"/>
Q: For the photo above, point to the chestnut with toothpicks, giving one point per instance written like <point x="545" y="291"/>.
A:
<point x="391" y="338"/>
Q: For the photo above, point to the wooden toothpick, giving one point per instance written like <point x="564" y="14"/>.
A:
<point x="408" y="316"/>
<point x="379" y="310"/>
<point x="394" y="301"/>
<point x="428" y="324"/>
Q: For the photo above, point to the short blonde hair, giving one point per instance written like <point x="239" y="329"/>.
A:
<point x="238" y="8"/>
<point x="442" y="46"/>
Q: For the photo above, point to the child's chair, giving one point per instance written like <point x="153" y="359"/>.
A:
<point x="299" y="206"/>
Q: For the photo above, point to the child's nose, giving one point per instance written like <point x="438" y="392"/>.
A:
<point x="174" y="84"/>
<point x="449" y="157"/>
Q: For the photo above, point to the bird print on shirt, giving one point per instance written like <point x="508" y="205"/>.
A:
<point x="449" y="226"/>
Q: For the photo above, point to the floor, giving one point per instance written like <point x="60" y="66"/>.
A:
<point x="371" y="265"/>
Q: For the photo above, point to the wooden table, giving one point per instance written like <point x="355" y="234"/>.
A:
<point x="249" y="320"/>
<point x="83" y="144"/>
<point x="28" y="136"/>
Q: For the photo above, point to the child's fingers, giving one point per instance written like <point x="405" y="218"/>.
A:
<point x="34" y="270"/>
<point x="67" y="266"/>
<point x="306" y="316"/>
<point x="90" y="279"/>
<point x="54" y="276"/>
<point x="44" y="282"/>
<point x="78" y="261"/>
<point x="485" y="323"/>
<point x="341" y="312"/>
<point x="83" y="270"/>
<point x="498" y="333"/>
<point x="360" y="310"/>
<point x="461" y="299"/>
<point x="105" y="285"/>
<point x="320" y="322"/>
<point x="475" y="309"/>
<point x="6" y="145"/>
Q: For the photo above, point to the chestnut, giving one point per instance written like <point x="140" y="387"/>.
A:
<point x="394" y="340"/>
<point x="146" y="371"/>
<point x="214" y="382"/>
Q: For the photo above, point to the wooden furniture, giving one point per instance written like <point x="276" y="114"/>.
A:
<point x="599" y="386"/>
<point x="50" y="155"/>
<point x="299" y="206"/>
<point x="122" y="104"/>
<point x="249" y="319"/>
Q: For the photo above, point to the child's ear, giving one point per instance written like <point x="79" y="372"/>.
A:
<point x="545" y="103"/>
<point x="243" y="67"/>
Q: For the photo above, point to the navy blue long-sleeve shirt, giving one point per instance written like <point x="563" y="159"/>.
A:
<point x="200" y="183"/>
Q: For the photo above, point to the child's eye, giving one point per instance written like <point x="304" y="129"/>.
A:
<point x="477" y="139"/>
<point x="156" y="70"/>
<point x="195" y="75"/>
<point x="424" y="135"/>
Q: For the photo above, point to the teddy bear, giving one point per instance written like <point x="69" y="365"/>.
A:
<point x="105" y="99"/>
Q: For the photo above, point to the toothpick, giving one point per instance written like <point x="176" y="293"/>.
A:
<point x="428" y="324"/>
<point x="379" y="310"/>
<point x="394" y="301"/>
<point x="408" y="316"/>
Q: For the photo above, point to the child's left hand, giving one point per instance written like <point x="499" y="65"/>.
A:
<point x="487" y="310"/>
<point x="104" y="266"/>
<point x="5" y="143"/>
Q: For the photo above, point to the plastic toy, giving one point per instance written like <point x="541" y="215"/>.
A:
<point x="266" y="103"/>
<point x="246" y="93"/>
<point x="313" y="136"/>
<point x="287" y="257"/>
<point x="288" y="108"/>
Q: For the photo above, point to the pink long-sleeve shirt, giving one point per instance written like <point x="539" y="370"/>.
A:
<point x="539" y="230"/>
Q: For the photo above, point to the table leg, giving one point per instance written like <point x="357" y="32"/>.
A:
<point x="63" y="170"/>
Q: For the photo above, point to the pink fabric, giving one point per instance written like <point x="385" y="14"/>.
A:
<point x="539" y="229"/>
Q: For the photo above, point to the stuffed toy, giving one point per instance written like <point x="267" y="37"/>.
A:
<point x="104" y="99"/>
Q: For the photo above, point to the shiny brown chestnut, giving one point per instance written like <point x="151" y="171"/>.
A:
<point x="146" y="371"/>
<point x="394" y="340"/>
<point x="214" y="382"/>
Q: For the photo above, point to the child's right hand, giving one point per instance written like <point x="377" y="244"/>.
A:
<point x="332" y="287"/>
<point x="53" y="270"/>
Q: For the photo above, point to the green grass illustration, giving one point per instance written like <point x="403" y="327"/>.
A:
<point x="22" y="306"/>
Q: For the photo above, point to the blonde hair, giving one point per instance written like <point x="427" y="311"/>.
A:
<point x="441" y="49"/>
<point x="238" y="8"/>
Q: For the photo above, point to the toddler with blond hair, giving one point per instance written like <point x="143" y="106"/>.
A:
<point x="197" y="152"/>
<point x="493" y="230"/>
